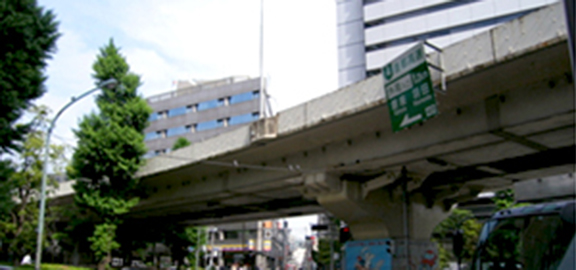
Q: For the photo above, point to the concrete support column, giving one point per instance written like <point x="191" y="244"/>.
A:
<point x="379" y="214"/>
<point x="382" y="213"/>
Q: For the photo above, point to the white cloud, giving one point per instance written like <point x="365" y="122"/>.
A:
<point x="69" y="75"/>
<point x="214" y="39"/>
<point x="153" y="70"/>
<point x="168" y="40"/>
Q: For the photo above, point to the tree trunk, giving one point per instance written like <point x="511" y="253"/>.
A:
<point x="104" y="262"/>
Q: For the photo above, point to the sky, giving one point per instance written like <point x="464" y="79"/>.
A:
<point x="170" y="40"/>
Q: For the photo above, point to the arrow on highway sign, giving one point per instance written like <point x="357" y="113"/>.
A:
<point x="409" y="120"/>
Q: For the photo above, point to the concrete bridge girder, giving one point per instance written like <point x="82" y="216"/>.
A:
<point x="471" y="140"/>
<point x="378" y="213"/>
<point x="507" y="115"/>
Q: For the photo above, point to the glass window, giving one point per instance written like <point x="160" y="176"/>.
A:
<point x="177" y="111"/>
<point x="244" y="97"/>
<point x="532" y="242"/>
<point x="176" y="131"/>
<point x="209" y="125"/>
<point x="150" y="154"/>
<point x="150" y="136"/>
<point x="244" y="118"/>
<point x="153" y="117"/>
<point x="210" y="104"/>
<point x="231" y="234"/>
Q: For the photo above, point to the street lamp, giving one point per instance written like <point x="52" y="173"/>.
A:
<point x="110" y="83"/>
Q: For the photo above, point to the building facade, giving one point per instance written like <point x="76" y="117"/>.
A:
<point x="254" y="243"/>
<point x="373" y="32"/>
<point x="199" y="111"/>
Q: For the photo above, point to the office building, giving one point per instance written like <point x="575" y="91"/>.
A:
<point x="373" y="32"/>
<point x="264" y="243"/>
<point x="200" y="110"/>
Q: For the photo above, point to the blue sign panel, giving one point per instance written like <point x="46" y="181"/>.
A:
<point x="368" y="255"/>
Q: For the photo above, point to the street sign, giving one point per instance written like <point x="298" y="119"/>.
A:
<point x="408" y="88"/>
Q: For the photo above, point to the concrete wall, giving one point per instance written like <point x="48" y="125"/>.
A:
<point x="543" y="189"/>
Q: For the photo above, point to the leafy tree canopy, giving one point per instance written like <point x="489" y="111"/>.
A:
<point x="28" y="35"/>
<point x="111" y="142"/>
<point x="181" y="142"/>
<point x="465" y="221"/>
<point x="110" y="151"/>
<point x="18" y="227"/>
<point x="504" y="199"/>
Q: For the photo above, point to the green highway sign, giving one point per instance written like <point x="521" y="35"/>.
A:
<point x="408" y="88"/>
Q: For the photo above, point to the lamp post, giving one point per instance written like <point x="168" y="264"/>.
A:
<point x="110" y="83"/>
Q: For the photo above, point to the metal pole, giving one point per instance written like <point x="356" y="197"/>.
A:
<point x="569" y="12"/>
<point x="211" y="263"/>
<point x="405" y="215"/>
<point x="197" y="261"/>
<point x="206" y="258"/>
<point x="42" y="198"/>
<point x="331" y="237"/>
<point x="45" y="169"/>
<point x="262" y="92"/>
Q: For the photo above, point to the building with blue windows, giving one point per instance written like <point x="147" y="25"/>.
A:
<point x="201" y="110"/>
<point x="373" y="32"/>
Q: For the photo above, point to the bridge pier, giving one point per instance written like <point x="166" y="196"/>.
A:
<point x="375" y="212"/>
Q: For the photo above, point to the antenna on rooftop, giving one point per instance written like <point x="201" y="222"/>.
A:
<point x="264" y="104"/>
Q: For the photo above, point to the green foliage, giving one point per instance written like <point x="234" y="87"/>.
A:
<point x="504" y="199"/>
<point x="197" y="238"/>
<point x="444" y="256"/>
<point x="28" y="35"/>
<point x="111" y="143"/>
<point x="110" y="150"/>
<point x="181" y="142"/>
<point x="103" y="240"/>
<point x="51" y="266"/>
<point x="18" y="228"/>
<point x="458" y="219"/>
<point x="6" y="188"/>
<point x="108" y="206"/>
<point x="322" y="256"/>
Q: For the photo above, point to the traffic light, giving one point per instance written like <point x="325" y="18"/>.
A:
<point x="322" y="227"/>
<point x="345" y="234"/>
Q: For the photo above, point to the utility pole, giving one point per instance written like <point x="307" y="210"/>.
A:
<point x="331" y="238"/>
<point x="404" y="182"/>
<point x="197" y="261"/>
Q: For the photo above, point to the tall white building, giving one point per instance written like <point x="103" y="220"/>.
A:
<point x="372" y="32"/>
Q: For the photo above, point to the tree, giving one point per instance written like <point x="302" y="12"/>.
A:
<point x="18" y="227"/>
<point x="458" y="220"/>
<point x="28" y="35"/>
<point x="110" y="150"/>
<point x="181" y="142"/>
<point x="322" y="257"/>
<point x="504" y="199"/>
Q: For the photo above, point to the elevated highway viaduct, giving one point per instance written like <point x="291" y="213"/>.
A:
<point x="507" y="115"/>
